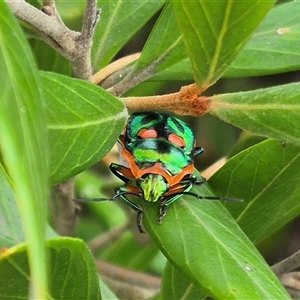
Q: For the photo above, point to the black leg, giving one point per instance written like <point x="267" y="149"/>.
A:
<point x="134" y="206"/>
<point x="139" y="219"/>
<point x="162" y="212"/>
<point x="117" y="170"/>
<point x="199" y="181"/>
<point x="198" y="150"/>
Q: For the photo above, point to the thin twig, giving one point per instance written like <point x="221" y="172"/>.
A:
<point x="291" y="282"/>
<point x="67" y="212"/>
<point x="82" y="67"/>
<point x="100" y="241"/>
<point x="207" y="173"/>
<point x="113" y="67"/>
<point x="50" y="3"/>
<point x="134" y="78"/>
<point x="90" y="20"/>
<point x="287" y="265"/>
<point x="49" y="9"/>
<point x="128" y="284"/>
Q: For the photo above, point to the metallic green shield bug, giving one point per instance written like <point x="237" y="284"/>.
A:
<point x="157" y="153"/>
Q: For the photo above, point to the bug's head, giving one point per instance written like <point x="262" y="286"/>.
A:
<point x="153" y="186"/>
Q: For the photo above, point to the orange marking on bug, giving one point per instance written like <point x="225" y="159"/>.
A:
<point x="176" y="140"/>
<point x="176" y="189"/>
<point x="157" y="168"/>
<point x="134" y="189"/>
<point x="126" y="172"/>
<point x="147" y="133"/>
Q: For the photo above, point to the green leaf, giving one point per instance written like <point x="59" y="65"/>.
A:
<point x="214" y="32"/>
<point x="263" y="111"/>
<point x="274" y="48"/>
<point x="202" y="240"/>
<point x="11" y="226"/>
<point x="12" y="232"/>
<point x="106" y="293"/>
<point x="49" y="60"/>
<point x="84" y="122"/>
<point x="72" y="273"/>
<point x="267" y="177"/>
<point x="176" y="285"/>
<point x="36" y="3"/>
<point x="119" y="21"/>
<point x="88" y="186"/>
<point x="23" y="140"/>
<point x="163" y="48"/>
<point x="71" y="13"/>
<point x="135" y="253"/>
<point x="181" y="71"/>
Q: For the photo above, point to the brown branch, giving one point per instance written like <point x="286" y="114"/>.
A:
<point x="133" y="79"/>
<point x="291" y="282"/>
<point x="49" y="3"/>
<point x="66" y="214"/>
<point x="289" y="264"/>
<point x="82" y="67"/>
<point x="49" y="9"/>
<point x="49" y="27"/>
<point x="113" y="67"/>
<point x="58" y="35"/>
<point x="207" y="173"/>
<point x="100" y="241"/>
<point x="128" y="284"/>
<point x="90" y="20"/>
<point x="185" y="102"/>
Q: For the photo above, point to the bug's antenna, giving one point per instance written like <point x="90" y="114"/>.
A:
<point x="79" y="200"/>
<point x="210" y="197"/>
<point x="106" y="199"/>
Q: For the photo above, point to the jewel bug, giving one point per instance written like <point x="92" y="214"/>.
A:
<point x="157" y="153"/>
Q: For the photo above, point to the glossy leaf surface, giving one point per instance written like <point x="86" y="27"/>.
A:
<point x="267" y="177"/>
<point x="164" y="47"/>
<point x="24" y="140"/>
<point x="119" y="21"/>
<point x="84" y="122"/>
<point x="219" y="249"/>
<point x="72" y="273"/>
<point x="263" y="111"/>
<point x="49" y="60"/>
<point x="176" y="285"/>
<point x="12" y="231"/>
<point x="214" y="33"/>
<point x="274" y="47"/>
